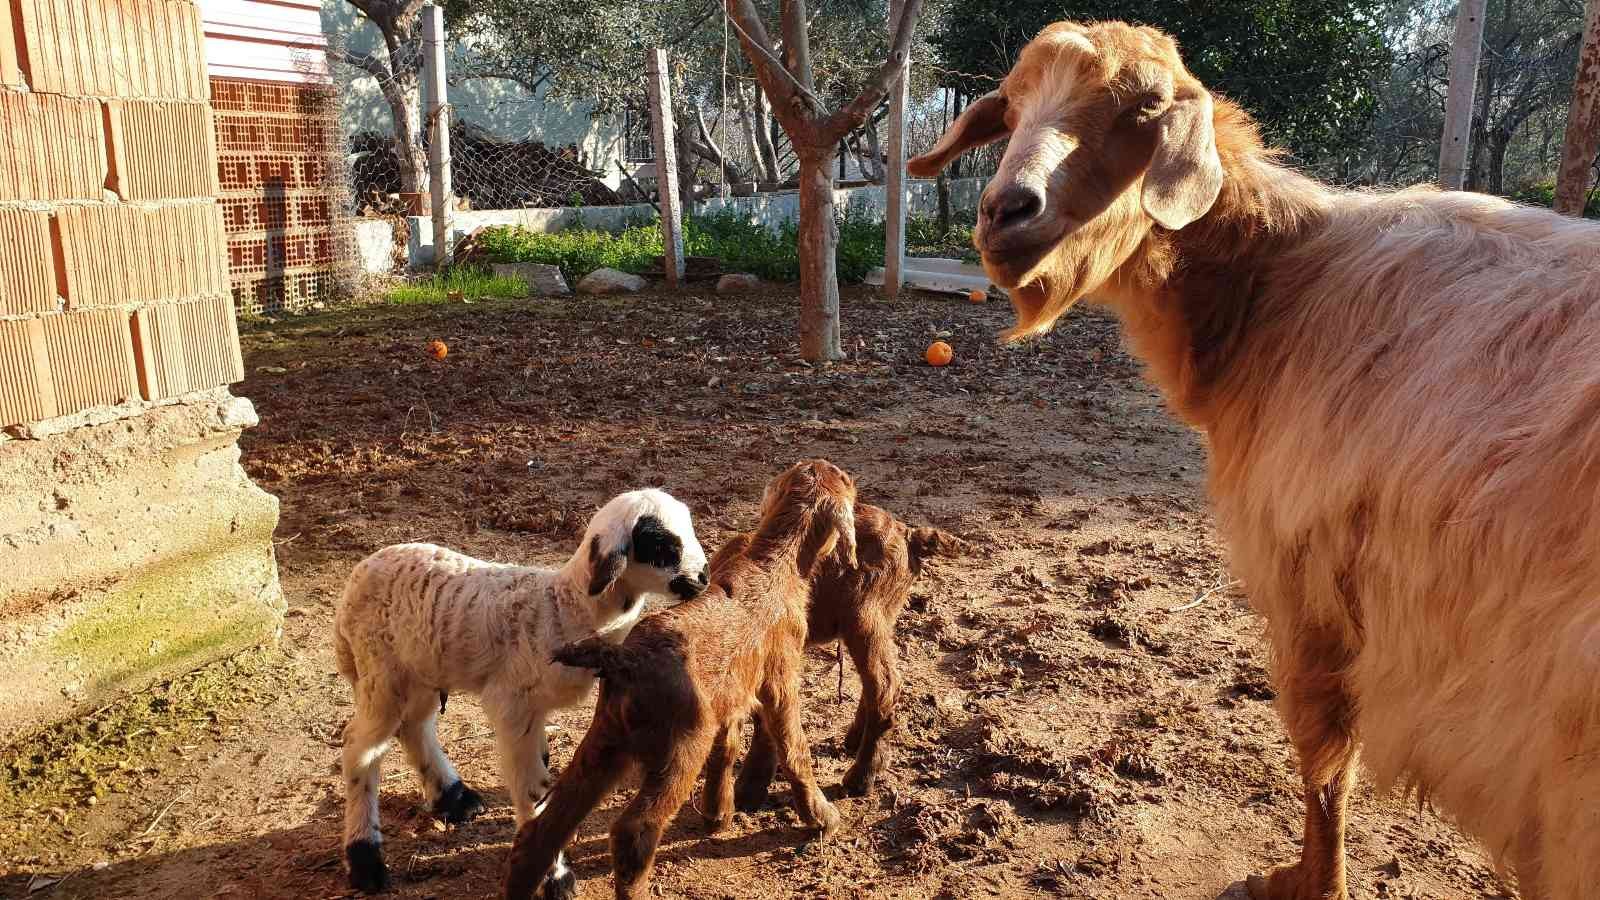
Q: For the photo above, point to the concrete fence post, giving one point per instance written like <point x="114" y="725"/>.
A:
<point x="666" y="154"/>
<point x="894" y="186"/>
<point x="436" y="110"/>
<point x="1465" y="50"/>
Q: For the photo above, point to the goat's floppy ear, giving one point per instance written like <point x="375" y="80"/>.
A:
<point x="605" y="566"/>
<point x="982" y="122"/>
<point x="842" y="517"/>
<point x="1185" y="174"/>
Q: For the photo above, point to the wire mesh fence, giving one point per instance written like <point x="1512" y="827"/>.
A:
<point x="517" y="146"/>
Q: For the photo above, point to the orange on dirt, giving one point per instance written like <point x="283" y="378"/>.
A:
<point x="438" y="349"/>
<point x="977" y="296"/>
<point x="939" y="354"/>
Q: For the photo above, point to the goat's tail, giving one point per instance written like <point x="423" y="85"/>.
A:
<point x="612" y="662"/>
<point x="925" y="543"/>
<point x="594" y="772"/>
<point x="344" y="657"/>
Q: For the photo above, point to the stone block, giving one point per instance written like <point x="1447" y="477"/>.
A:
<point x="540" y="278"/>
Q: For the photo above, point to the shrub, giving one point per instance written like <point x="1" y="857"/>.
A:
<point x="471" y="283"/>
<point x="1543" y="193"/>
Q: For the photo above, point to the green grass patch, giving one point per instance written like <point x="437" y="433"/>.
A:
<point x="472" y="284"/>
<point x="741" y="245"/>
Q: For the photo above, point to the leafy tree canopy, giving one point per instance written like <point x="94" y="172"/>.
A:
<point x="1307" y="69"/>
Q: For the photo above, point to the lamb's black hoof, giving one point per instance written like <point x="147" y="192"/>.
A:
<point x="458" y="804"/>
<point x="561" y="887"/>
<point x="368" y="874"/>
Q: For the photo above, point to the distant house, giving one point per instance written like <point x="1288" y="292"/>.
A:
<point x="503" y="109"/>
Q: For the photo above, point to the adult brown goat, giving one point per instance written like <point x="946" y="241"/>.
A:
<point x="1401" y="395"/>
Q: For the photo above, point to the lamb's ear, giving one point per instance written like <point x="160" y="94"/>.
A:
<point x="982" y="122"/>
<point x="605" y="565"/>
<point x="1185" y="174"/>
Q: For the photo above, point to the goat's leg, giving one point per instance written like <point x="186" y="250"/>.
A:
<point x="760" y="764"/>
<point x="1317" y="712"/>
<point x="780" y="708"/>
<point x="637" y="832"/>
<point x="525" y="766"/>
<point x="875" y="658"/>
<point x="366" y="737"/>
<point x="719" y="786"/>
<point x="447" y="797"/>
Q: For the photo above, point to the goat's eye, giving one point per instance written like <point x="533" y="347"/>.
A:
<point x="1145" y="108"/>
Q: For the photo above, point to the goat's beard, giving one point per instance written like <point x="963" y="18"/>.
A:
<point x="1084" y="260"/>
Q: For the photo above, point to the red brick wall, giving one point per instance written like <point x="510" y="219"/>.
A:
<point x="113" y="261"/>
<point x="276" y="142"/>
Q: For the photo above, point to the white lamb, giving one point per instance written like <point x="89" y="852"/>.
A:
<point x="418" y="621"/>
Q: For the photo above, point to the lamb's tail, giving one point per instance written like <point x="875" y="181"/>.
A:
<point x="612" y="662"/>
<point x="594" y="772"/>
<point x="925" y="543"/>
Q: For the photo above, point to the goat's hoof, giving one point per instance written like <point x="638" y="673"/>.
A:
<point x="857" y="784"/>
<point x="750" y="798"/>
<point x="561" y="887"/>
<point x="368" y="874"/>
<point x="458" y="804"/>
<point x="715" y="824"/>
<point x="827" y="823"/>
<point x="1286" y="883"/>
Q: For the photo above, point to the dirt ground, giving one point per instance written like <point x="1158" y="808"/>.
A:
<point x="1087" y="711"/>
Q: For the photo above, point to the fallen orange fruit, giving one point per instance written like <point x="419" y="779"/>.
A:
<point x="939" y="354"/>
<point x="977" y="296"/>
<point x="438" y="350"/>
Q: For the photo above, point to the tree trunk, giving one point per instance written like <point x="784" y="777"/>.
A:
<point x="747" y="121"/>
<point x="1582" y="142"/>
<point x="766" y="152"/>
<point x="942" y="183"/>
<point x="819" y="275"/>
<point x="404" y="99"/>
<point x="1499" y="142"/>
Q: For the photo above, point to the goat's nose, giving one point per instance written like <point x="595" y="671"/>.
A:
<point x="1012" y="206"/>
<point x="702" y="578"/>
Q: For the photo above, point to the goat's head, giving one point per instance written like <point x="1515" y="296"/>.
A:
<point x="644" y="543"/>
<point x="1110" y="136"/>
<point x="819" y="498"/>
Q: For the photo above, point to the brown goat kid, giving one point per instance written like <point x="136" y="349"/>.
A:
<point x="859" y="605"/>
<point x="675" y="693"/>
<point x="1401" y="396"/>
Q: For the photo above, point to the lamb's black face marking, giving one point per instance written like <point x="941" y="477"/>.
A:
<point x="655" y="545"/>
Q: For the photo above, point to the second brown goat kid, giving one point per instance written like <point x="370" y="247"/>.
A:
<point x="857" y="605"/>
<point x="674" y="694"/>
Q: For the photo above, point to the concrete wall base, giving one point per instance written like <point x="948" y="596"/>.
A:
<point x="133" y="550"/>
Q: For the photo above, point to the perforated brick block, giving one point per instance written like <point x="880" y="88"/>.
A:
<point x="118" y="254"/>
<point x="50" y="148"/>
<point x="183" y="347"/>
<point x="161" y="150"/>
<point x="26" y="391"/>
<point x="91" y="358"/>
<point x="27" y="263"/>
<point x="113" y="48"/>
<point x="10" y="69"/>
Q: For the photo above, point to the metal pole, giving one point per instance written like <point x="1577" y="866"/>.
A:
<point x="666" y="166"/>
<point x="894" y="187"/>
<point x="1465" y="50"/>
<point x="437" y="118"/>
